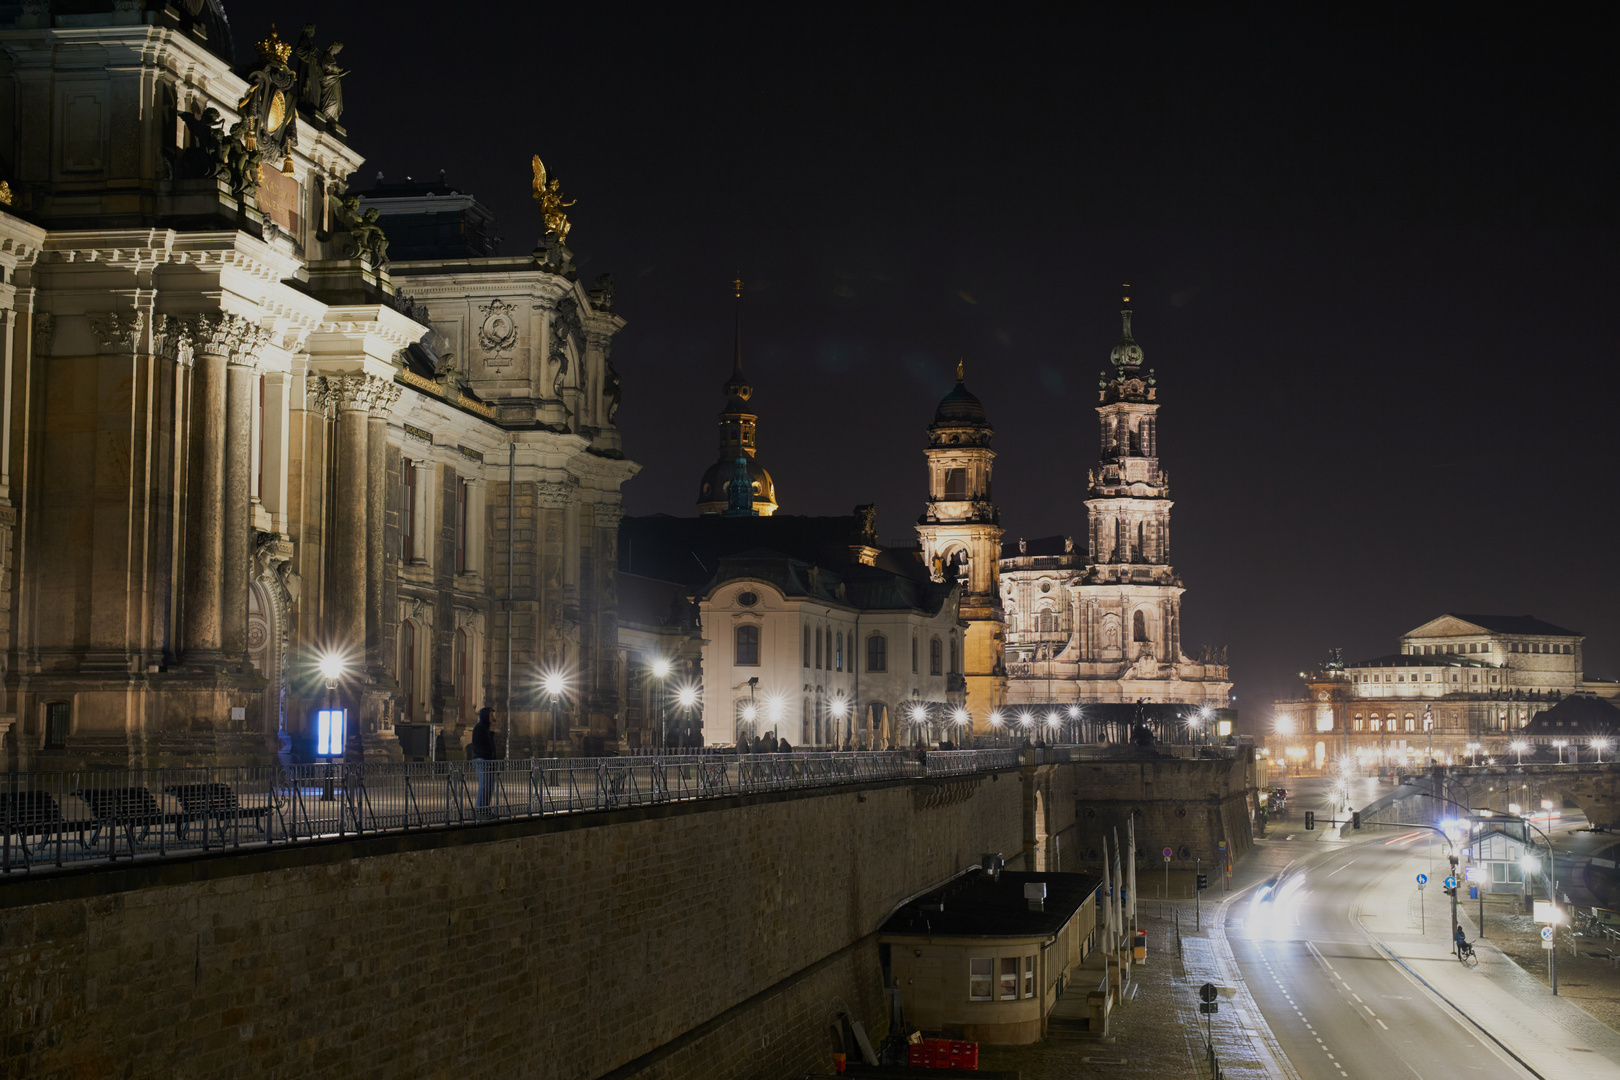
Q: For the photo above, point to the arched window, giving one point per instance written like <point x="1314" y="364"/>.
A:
<point x="1357" y="724"/>
<point x="1139" y="627"/>
<point x="877" y="653"/>
<point x="914" y="654"/>
<point x="934" y="657"/>
<point x="838" y="651"/>
<point x="955" y="669"/>
<point x="1047" y="622"/>
<point x="1141" y="541"/>
<point x="747" y="646"/>
<point x="956" y="484"/>
<point x="407" y="667"/>
<point x="807" y="646"/>
<point x="818" y="650"/>
<point x="1411" y="722"/>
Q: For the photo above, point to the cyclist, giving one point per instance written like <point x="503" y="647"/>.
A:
<point x="1460" y="939"/>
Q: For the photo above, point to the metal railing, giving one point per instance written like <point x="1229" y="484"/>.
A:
<point x="55" y="820"/>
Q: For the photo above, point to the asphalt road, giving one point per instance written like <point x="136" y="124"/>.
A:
<point x="1339" y="1008"/>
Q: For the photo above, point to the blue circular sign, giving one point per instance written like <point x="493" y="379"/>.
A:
<point x="1451" y="882"/>
<point x="1423" y="879"/>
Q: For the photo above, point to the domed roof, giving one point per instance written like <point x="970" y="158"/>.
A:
<point x="1127" y="354"/>
<point x="960" y="407"/>
<point x="716" y="486"/>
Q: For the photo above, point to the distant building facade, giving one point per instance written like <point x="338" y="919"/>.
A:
<point x="1100" y="621"/>
<point x="1458" y="686"/>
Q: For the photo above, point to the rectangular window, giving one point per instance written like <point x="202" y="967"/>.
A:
<point x="877" y="653"/>
<point x="407" y="510"/>
<point x="818" y="650"/>
<point x="807" y="646"/>
<point x="461" y="526"/>
<point x="58" y="718"/>
<point x="914" y="654"/>
<point x="1009" y="978"/>
<point x="980" y="970"/>
<point x="838" y="652"/>
<point x="747" y="646"/>
<point x="956" y="484"/>
<point x="933" y="657"/>
<point x="1029" y="976"/>
<point x="1427" y="677"/>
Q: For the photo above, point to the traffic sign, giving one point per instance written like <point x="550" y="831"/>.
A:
<point x="1546" y="933"/>
<point x="1206" y="992"/>
<point x="1423" y="879"/>
<point x="1221" y="845"/>
<point x="1474" y="874"/>
<point x="1422" y="885"/>
<point x="1167" y="854"/>
<point x="1451" y="881"/>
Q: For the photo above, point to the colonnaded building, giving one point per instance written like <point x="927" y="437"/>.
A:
<point x="1458" y="687"/>
<point x="230" y="444"/>
<point x="1100" y="621"/>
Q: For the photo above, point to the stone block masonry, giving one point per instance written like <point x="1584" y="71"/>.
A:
<point x="708" y="939"/>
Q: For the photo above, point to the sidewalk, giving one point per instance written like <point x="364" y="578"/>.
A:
<point x="1553" y="1035"/>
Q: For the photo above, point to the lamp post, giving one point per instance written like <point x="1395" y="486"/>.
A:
<point x="329" y="722"/>
<point x="840" y="710"/>
<point x="1026" y="720"/>
<point x="1598" y="746"/>
<point x="997" y="725"/>
<point x="1518" y="747"/>
<point x="554" y="685"/>
<point x="1560" y="744"/>
<point x="660" y="670"/>
<point x="961" y="717"/>
<point x="687" y="697"/>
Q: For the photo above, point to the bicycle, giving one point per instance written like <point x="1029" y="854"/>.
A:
<point x="1466" y="955"/>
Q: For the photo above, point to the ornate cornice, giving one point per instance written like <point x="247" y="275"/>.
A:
<point x="117" y="331"/>
<point x="353" y="393"/>
<point x="607" y="515"/>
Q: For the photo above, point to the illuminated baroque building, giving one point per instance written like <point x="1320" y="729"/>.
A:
<point x="1456" y="682"/>
<point x="1100" y="622"/>
<point x="229" y="444"/>
<point x="960" y="535"/>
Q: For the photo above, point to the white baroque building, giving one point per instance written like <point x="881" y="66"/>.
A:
<point x="1100" y="622"/>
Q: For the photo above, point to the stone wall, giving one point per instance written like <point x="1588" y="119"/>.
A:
<point x="705" y="939"/>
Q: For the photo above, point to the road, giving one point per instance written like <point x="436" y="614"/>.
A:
<point x="1339" y="1007"/>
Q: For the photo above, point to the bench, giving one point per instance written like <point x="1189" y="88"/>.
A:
<point x="34" y="813"/>
<point x="214" y="802"/>
<point x="128" y="809"/>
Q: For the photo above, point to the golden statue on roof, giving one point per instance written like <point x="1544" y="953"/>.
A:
<point x="549" y="196"/>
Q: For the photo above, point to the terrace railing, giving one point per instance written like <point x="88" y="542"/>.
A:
<point x="58" y="820"/>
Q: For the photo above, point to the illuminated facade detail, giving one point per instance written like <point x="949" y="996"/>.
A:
<point x="737" y="426"/>
<point x="1456" y="682"/>
<point x="1103" y="623"/>
<point x="960" y="531"/>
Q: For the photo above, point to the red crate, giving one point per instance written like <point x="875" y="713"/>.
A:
<point x="943" y="1054"/>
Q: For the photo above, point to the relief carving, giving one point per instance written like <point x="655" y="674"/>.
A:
<point x="353" y="393"/>
<point x="117" y="331"/>
<point x="44" y="332"/>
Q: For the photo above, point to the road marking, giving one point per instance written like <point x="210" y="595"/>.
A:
<point x="1346" y="866"/>
<point x="1320" y="958"/>
<point x="1382" y="1024"/>
<point x="1357" y="997"/>
<point x="1370" y="1012"/>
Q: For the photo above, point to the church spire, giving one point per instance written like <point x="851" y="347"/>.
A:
<point x="738" y="386"/>
<point x="737" y="421"/>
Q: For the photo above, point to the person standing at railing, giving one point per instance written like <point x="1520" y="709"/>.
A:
<point x="483" y="754"/>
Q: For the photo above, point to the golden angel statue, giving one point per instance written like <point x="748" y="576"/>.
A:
<point x="549" y="196"/>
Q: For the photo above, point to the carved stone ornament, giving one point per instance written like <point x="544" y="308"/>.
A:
<point x="565" y="328"/>
<point x="499" y="333"/>
<point x="44" y="331"/>
<point x="117" y="331"/>
<point x="222" y="334"/>
<point x="169" y="339"/>
<point x="608" y="515"/>
<point x="554" y="496"/>
<point x="353" y="393"/>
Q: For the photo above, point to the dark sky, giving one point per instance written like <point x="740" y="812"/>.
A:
<point x="1374" y="265"/>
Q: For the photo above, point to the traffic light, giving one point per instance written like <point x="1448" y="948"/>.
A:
<point x="1355" y="819"/>
<point x="1203" y="881"/>
<point x="1310" y="820"/>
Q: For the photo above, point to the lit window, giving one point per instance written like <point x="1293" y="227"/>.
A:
<point x="1029" y="976"/>
<point x="1009" y="978"/>
<point x="980" y="971"/>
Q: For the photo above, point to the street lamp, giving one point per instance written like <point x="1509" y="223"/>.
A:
<point x="660" y="670"/>
<point x="1560" y="744"/>
<point x="329" y="725"/>
<point x="997" y="723"/>
<point x="840" y="709"/>
<point x="1599" y="745"/>
<point x="1026" y="721"/>
<point x="960" y="716"/>
<point x="687" y="696"/>
<point x="554" y="685"/>
<point x="1473" y="753"/>
<point x="1519" y="746"/>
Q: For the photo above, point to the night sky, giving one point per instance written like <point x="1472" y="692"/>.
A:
<point x="1373" y="264"/>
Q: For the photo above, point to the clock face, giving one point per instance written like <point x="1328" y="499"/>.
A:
<point x="277" y="112"/>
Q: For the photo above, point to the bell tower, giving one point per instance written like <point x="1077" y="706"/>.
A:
<point x="960" y="530"/>
<point x="737" y="422"/>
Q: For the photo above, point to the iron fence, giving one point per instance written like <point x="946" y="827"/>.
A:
<point x="55" y="820"/>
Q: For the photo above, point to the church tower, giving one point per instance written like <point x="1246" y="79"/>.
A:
<point x="960" y="530"/>
<point x="1100" y="620"/>
<point x="737" y="420"/>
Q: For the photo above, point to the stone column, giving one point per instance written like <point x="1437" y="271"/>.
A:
<point x="348" y="511"/>
<point x="211" y="343"/>
<point x="241" y="390"/>
<point x="376" y="479"/>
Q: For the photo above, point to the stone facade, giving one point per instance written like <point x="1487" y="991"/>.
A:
<point x="231" y="446"/>
<point x="1101" y="621"/>
<point x="1458" y="688"/>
